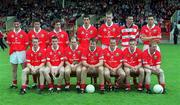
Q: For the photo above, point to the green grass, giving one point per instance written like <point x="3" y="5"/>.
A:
<point x="171" y="66"/>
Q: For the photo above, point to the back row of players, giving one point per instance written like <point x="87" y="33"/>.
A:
<point x="60" y="59"/>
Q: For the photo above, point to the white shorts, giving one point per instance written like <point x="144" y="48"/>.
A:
<point x="18" y="57"/>
<point x="104" y="46"/>
<point x="147" y="47"/>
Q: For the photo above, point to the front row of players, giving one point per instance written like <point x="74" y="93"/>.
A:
<point x="55" y="64"/>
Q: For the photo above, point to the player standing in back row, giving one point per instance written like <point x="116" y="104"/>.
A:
<point x="108" y="30"/>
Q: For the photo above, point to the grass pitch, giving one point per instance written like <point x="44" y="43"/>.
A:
<point x="170" y="65"/>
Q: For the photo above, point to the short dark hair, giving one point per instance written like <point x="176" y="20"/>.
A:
<point x="86" y="16"/>
<point x="17" y="20"/>
<point x="129" y="16"/>
<point x="150" y="16"/>
<point x="54" y="37"/>
<point x="93" y="40"/>
<point x="36" y="20"/>
<point x="35" y="38"/>
<point x="56" y="21"/>
<point x="132" y="40"/>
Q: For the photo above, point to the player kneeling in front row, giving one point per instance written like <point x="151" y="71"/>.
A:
<point x="73" y="55"/>
<point x="113" y="64"/>
<point x="151" y="62"/>
<point x="55" y="68"/>
<point x="133" y="64"/>
<point x="35" y="58"/>
<point x="92" y="61"/>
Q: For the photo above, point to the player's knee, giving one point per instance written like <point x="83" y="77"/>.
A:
<point x="148" y="72"/>
<point x="141" y="71"/>
<point x="106" y="73"/>
<point x="127" y="71"/>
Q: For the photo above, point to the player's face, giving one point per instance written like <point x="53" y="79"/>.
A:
<point x="92" y="45"/>
<point x="129" y="20"/>
<point x="109" y="18"/>
<point x="54" y="42"/>
<point x="35" y="42"/>
<point x="153" y="48"/>
<point x="17" y="25"/>
<point x="74" y="42"/>
<point x="112" y="43"/>
<point x="150" y="20"/>
<point x="86" y="21"/>
<point x="57" y="25"/>
<point x="37" y="25"/>
<point x="132" y="45"/>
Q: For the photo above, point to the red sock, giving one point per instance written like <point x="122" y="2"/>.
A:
<point x="163" y="85"/>
<point x="67" y="83"/>
<point x="128" y="85"/>
<point x="23" y="86"/>
<point x="41" y="86"/>
<point x="78" y="83"/>
<point x="101" y="87"/>
<point x="147" y="86"/>
<point x="139" y="85"/>
<point x="14" y="82"/>
<point x="83" y="86"/>
<point x="59" y="86"/>
<point x="50" y="85"/>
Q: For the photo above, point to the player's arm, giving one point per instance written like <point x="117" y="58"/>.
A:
<point x="67" y="63"/>
<point x="117" y="67"/>
<point x="106" y="65"/>
<point x="49" y="64"/>
<point x="61" y="64"/>
<point x="128" y="65"/>
<point x="30" y="66"/>
<point x="149" y="67"/>
<point x="99" y="64"/>
<point x="84" y="62"/>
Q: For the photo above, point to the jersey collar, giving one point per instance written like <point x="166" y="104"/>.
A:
<point x="151" y="27"/>
<point x="107" y="24"/>
<point x="17" y="31"/>
<point x="113" y="50"/>
<point x="150" y="53"/>
<point x="130" y="50"/>
<point x="37" y="49"/>
<point x="56" y="31"/>
<point x="75" y="48"/>
<point x="56" y="48"/>
<point x="36" y="31"/>
<point x="85" y="27"/>
<point x="94" y="49"/>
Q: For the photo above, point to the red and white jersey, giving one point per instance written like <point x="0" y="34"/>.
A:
<point x="128" y="33"/>
<point x="106" y="32"/>
<point x="132" y="58"/>
<point x="149" y="32"/>
<point x="84" y="35"/>
<point x="17" y="41"/>
<point x="113" y="58"/>
<point x="73" y="56"/>
<point x="93" y="57"/>
<point x="55" y="56"/>
<point x="42" y="35"/>
<point x="63" y="38"/>
<point x="36" y="58"/>
<point x="151" y="59"/>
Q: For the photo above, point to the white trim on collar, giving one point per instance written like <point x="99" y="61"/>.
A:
<point x="151" y="27"/>
<point x="58" y="31"/>
<point x="85" y="27"/>
<point x="37" y="49"/>
<point x="36" y="31"/>
<point x="150" y="53"/>
<point x="17" y="31"/>
<point x="113" y="50"/>
<point x="94" y="49"/>
<point x="133" y="51"/>
<point x="75" y="48"/>
<point x="55" y="49"/>
<point x="110" y="25"/>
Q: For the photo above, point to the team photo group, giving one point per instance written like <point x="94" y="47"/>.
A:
<point x="110" y="51"/>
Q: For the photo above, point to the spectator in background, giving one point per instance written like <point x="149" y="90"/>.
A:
<point x="176" y="33"/>
<point x="3" y="46"/>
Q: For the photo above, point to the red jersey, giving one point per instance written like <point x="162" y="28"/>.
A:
<point x="36" y="58"/>
<point x="151" y="59"/>
<point x="134" y="58"/>
<point x="128" y="33"/>
<point x="106" y="32"/>
<point x="113" y="58"/>
<point x="73" y="56"/>
<point x="93" y="57"/>
<point x="63" y="38"/>
<point x="84" y="35"/>
<point x="55" y="57"/>
<point x="149" y="32"/>
<point x="18" y="41"/>
<point x="42" y="35"/>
